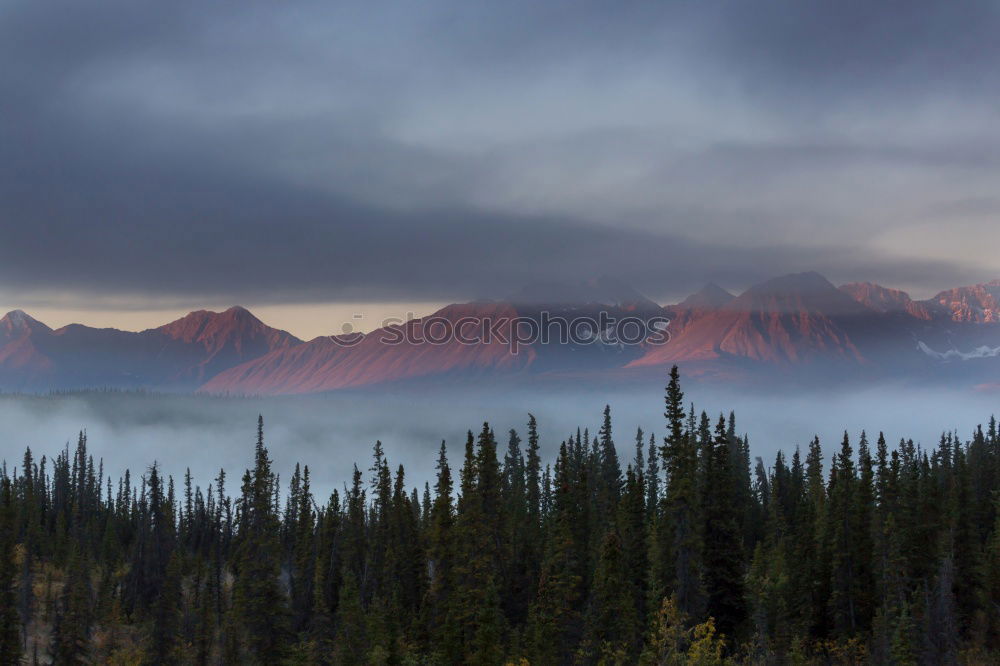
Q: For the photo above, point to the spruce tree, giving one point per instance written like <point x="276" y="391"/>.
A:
<point x="652" y="478"/>
<point x="811" y="571"/>
<point x="633" y="532"/>
<point x="612" y="623"/>
<point x="680" y="458"/>
<point x="844" y="530"/>
<point x="441" y="555"/>
<point x="327" y="571"/>
<point x="167" y="616"/>
<point x="354" y="542"/>
<point x="723" y="563"/>
<point x="533" y="534"/>
<point x="302" y="570"/>
<point x="259" y="604"/>
<point x="991" y="577"/>
<point x="478" y="564"/>
<point x="73" y="617"/>
<point x="610" y="468"/>
<point x="863" y="503"/>
<point x="405" y="557"/>
<point x="556" y="621"/>
<point x="10" y="639"/>
<point x="374" y="584"/>
<point x="518" y="551"/>
<point x="351" y="645"/>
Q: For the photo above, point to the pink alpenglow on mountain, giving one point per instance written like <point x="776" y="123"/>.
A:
<point x="785" y="324"/>
<point x="884" y="299"/>
<point x="978" y="303"/>
<point x="785" y="320"/>
<point x="177" y="356"/>
<point x="324" y="365"/>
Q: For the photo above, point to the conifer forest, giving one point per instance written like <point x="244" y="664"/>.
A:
<point x="671" y="548"/>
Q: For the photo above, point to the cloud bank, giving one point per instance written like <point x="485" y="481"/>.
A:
<point x="443" y="150"/>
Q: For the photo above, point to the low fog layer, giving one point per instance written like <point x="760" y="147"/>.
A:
<point x="330" y="433"/>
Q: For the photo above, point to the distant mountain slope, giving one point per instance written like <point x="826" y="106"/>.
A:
<point x="958" y="330"/>
<point x="788" y="319"/>
<point x="979" y="303"/>
<point x="884" y="299"/>
<point x="795" y="325"/>
<point x="177" y="356"/>
<point x="323" y="364"/>
<point x="386" y="355"/>
<point x="22" y="363"/>
<point x="976" y="304"/>
<point x="706" y="300"/>
<point x="223" y="340"/>
<point x="709" y="297"/>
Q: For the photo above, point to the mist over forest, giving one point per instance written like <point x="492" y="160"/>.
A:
<point x="331" y="432"/>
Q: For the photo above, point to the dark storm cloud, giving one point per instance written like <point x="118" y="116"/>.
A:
<point x="311" y="151"/>
<point x="849" y="46"/>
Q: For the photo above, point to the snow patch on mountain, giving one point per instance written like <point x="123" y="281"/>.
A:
<point x="979" y="352"/>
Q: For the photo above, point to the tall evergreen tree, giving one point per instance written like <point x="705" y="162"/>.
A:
<point x="259" y="606"/>
<point x="351" y="645"/>
<point x="652" y="478"/>
<point x="441" y="553"/>
<point x="612" y="622"/>
<point x="73" y="620"/>
<point x="845" y="531"/>
<point x="10" y="639"/>
<point x="478" y="538"/>
<point x="680" y="458"/>
<point x="167" y="616"/>
<point x="556" y="620"/>
<point x="723" y="566"/>
<point x="632" y="530"/>
<point x="302" y="575"/>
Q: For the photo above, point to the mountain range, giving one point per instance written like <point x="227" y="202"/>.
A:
<point x="790" y="327"/>
<point x="181" y="355"/>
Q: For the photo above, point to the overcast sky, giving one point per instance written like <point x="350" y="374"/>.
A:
<point x="162" y="156"/>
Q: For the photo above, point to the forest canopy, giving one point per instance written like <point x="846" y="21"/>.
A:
<point x="674" y="549"/>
